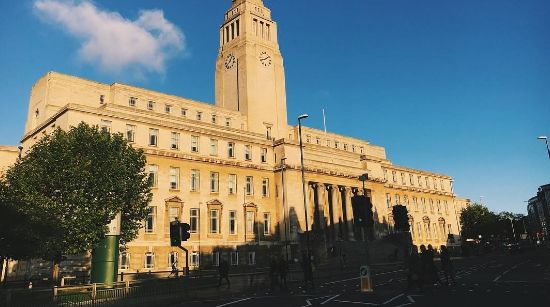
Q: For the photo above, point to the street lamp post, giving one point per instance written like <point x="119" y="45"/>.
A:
<point x="513" y="230"/>
<point x="303" y="116"/>
<point x="545" y="141"/>
<point x="286" y="222"/>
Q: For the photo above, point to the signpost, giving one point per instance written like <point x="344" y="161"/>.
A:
<point x="364" y="275"/>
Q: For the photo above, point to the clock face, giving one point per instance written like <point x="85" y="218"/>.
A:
<point x="230" y="61"/>
<point x="265" y="58"/>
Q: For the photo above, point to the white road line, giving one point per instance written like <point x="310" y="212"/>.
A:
<point x="330" y="299"/>
<point x="393" y="298"/>
<point x="510" y="269"/>
<point x="234" y="302"/>
<point x="406" y="304"/>
<point x="350" y="302"/>
<point x="338" y="281"/>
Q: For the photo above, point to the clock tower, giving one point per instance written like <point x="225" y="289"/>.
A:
<point x="249" y="70"/>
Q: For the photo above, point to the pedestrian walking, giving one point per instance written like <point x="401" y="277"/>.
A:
<point x="447" y="264"/>
<point x="223" y="271"/>
<point x="308" y="270"/>
<point x="175" y="271"/>
<point x="274" y="272"/>
<point x="283" y="271"/>
<point x="414" y="277"/>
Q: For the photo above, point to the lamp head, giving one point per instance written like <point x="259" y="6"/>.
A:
<point x="303" y="116"/>
<point x="542" y="137"/>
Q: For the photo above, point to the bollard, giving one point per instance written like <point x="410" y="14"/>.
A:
<point x="54" y="292"/>
<point x="127" y="287"/>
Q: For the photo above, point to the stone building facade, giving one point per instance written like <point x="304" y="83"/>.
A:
<point x="232" y="170"/>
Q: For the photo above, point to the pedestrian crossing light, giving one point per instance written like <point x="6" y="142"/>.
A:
<point x="185" y="228"/>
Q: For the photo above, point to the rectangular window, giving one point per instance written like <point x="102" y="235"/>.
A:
<point x="150" y="220"/>
<point x="214" y="220"/>
<point x="423" y="204"/>
<point x="438" y="204"/>
<point x="449" y="229"/>
<point x="106" y="125"/>
<point x="194" y="143"/>
<point x="267" y="223"/>
<point x="345" y="147"/>
<point x="231" y="150"/>
<point x="397" y="199"/>
<point x="268" y="133"/>
<point x="264" y="155"/>
<point x="151" y="105"/>
<point x="441" y="185"/>
<point x="173" y="259"/>
<point x="411" y="179"/>
<point x="385" y="174"/>
<point x="214" y="182"/>
<point x="153" y="174"/>
<point x="265" y="187"/>
<point x="406" y="200"/>
<point x="419" y="230"/>
<point x="427" y="183"/>
<point x="199" y="115"/>
<point x="393" y="173"/>
<point x="431" y="205"/>
<point x="214" y="118"/>
<point x="336" y="144"/>
<point x="153" y="137"/>
<point x="420" y="181"/>
<point x="215" y="258"/>
<point x="173" y="214"/>
<point x="232" y="222"/>
<point x="232" y="184"/>
<point x="249" y="187"/>
<point x="124" y="261"/>
<point x="234" y="258"/>
<point x="228" y="121"/>
<point x="362" y="150"/>
<point x="183" y="112"/>
<point x="195" y="180"/>
<point x="213" y="147"/>
<point x="251" y="258"/>
<point x="415" y="203"/>
<point x="446" y="207"/>
<point x="194" y="220"/>
<point x="132" y="102"/>
<point x="403" y="182"/>
<point x="149" y="260"/>
<point x="435" y="183"/>
<point x="388" y="200"/>
<point x="247" y="152"/>
<point x="131" y="133"/>
<point x="175" y="140"/>
<point x="174" y="178"/>
<point x="167" y="109"/>
<point x="249" y="222"/>
<point x="195" y="259"/>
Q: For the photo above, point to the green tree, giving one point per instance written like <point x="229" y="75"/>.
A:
<point x="67" y="189"/>
<point x="477" y="220"/>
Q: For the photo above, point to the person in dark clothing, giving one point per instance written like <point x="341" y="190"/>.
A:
<point x="223" y="271"/>
<point x="283" y="271"/>
<point x="446" y="264"/>
<point x="273" y="272"/>
<point x="308" y="270"/>
<point x="414" y="278"/>
<point x="428" y="265"/>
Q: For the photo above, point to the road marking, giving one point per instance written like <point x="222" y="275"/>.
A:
<point x="234" y="302"/>
<point x="393" y="298"/>
<point x="308" y="301"/>
<point x="338" y="281"/>
<point x="406" y="304"/>
<point x="330" y="299"/>
<point x="384" y="273"/>
<point x="411" y="299"/>
<point x="350" y="302"/>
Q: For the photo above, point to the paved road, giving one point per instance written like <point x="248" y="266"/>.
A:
<point x="507" y="280"/>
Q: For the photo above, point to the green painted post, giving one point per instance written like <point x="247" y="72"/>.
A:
<point x="105" y="256"/>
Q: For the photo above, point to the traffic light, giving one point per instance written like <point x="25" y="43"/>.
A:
<point x="362" y="211"/>
<point x="185" y="228"/>
<point x="175" y="233"/>
<point x="401" y="218"/>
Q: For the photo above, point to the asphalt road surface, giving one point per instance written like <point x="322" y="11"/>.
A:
<point x="518" y="280"/>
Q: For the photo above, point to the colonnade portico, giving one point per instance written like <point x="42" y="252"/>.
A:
<point x="330" y="210"/>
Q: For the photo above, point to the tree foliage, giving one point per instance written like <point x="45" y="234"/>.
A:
<point x="479" y="220"/>
<point x="61" y="196"/>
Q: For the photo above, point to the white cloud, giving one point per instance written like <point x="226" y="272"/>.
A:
<point x="112" y="41"/>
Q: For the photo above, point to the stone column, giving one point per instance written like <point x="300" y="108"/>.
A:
<point x="349" y="209"/>
<point x="337" y="213"/>
<point x="321" y="206"/>
<point x="311" y="205"/>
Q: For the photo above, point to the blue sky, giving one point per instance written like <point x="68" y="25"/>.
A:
<point x="455" y="87"/>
